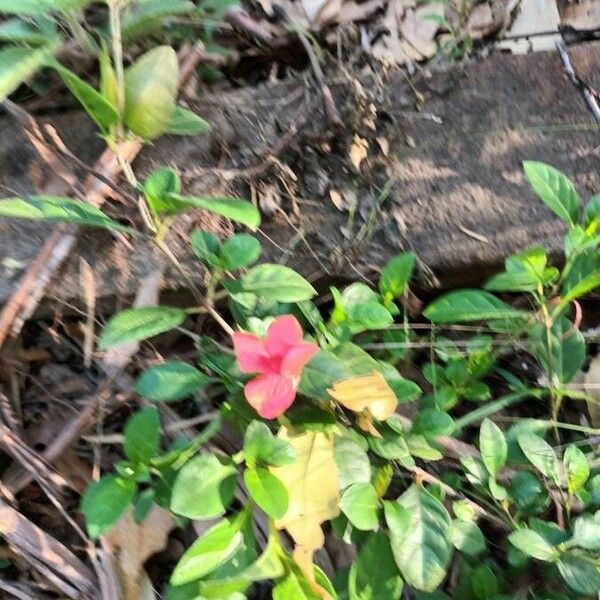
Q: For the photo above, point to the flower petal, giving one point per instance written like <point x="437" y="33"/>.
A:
<point x="283" y="333"/>
<point x="295" y="359"/>
<point x="270" y="395"/>
<point x="250" y="352"/>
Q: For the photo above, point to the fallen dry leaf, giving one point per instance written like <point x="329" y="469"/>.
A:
<point x="134" y="544"/>
<point x="358" y="151"/>
<point x="366" y="393"/>
<point x="312" y="484"/>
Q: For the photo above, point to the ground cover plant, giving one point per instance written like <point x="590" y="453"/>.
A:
<point x="451" y="472"/>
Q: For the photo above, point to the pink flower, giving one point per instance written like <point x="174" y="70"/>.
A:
<point x="279" y="359"/>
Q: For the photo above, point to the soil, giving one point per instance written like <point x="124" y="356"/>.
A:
<point x="447" y="146"/>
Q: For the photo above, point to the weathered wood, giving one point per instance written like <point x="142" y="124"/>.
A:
<point x="459" y="199"/>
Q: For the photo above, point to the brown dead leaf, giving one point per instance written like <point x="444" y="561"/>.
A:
<point x="134" y="544"/>
<point x="358" y="151"/>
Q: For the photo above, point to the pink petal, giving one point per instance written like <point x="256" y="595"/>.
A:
<point x="270" y="395"/>
<point x="296" y="358"/>
<point x="250" y="352"/>
<point x="283" y="333"/>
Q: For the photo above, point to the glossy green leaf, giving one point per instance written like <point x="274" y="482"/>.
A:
<point x="423" y="550"/>
<point x="431" y="422"/>
<point x="240" y="250"/>
<point x="533" y="544"/>
<point x="360" y="504"/>
<point x="267" y="491"/>
<point x="236" y="209"/>
<point x="493" y="447"/>
<point x="586" y="532"/>
<point x="263" y="448"/>
<point x="170" y="381"/>
<point x="137" y="324"/>
<point x="94" y="103"/>
<point x="267" y="566"/>
<point x="577" y="468"/>
<point x="17" y="30"/>
<point x="151" y="84"/>
<point x="374" y="574"/>
<point x="467" y="537"/>
<point x="157" y="188"/>
<point x="142" y="435"/>
<point x="352" y="462"/>
<point x="540" y="454"/>
<point x="18" y="64"/>
<point x="58" y="209"/>
<point x="469" y="305"/>
<point x="186" y="122"/>
<point x="104" y="502"/>
<point x="580" y="573"/>
<point x="204" y="488"/>
<point x="554" y="188"/>
<point x="396" y="274"/>
<point x="206" y="247"/>
<point x="278" y="283"/>
<point x="209" y="551"/>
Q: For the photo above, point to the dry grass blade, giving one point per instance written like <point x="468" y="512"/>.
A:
<point x="46" y="553"/>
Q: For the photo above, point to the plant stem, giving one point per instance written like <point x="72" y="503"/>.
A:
<point x="114" y="11"/>
<point x="493" y="407"/>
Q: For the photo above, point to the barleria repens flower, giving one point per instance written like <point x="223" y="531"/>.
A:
<point x="279" y="360"/>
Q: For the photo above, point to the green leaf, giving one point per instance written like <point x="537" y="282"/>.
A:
<point x="423" y="552"/>
<point x="369" y="316"/>
<point x="561" y="351"/>
<point x="137" y="324"/>
<point x="170" y="381"/>
<point x="391" y="446"/>
<point x="484" y="583"/>
<point x="469" y="305"/>
<point x="206" y="247"/>
<point x="352" y="462"/>
<point x="239" y="251"/>
<point x="554" y="188"/>
<point x="278" y="283"/>
<point x="526" y="490"/>
<point x="396" y="274"/>
<point x="18" y="64"/>
<point x="108" y="77"/>
<point x="533" y="544"/>
<point x="592" y="209"/>
<point x="360" y="504"/>
<point x="57" y="208"/>
<point x="209" y="551"/>
<point x="40" y="7"/>
<point x="96" y="105"/>
<point x="204" y="488"/>
<point x="151" y="84"/>
<point x="493" y="447"/>
<point x="580" y="573"/>
<point x="586" y="532"/>
<point x="262" y="447"/>
<point x="577" y="468"/>
<point x="142" y="436"/>
<point x="268" y="566"/>
<point x="236" y="209"/>
<point x="267" y="491"/>
<point x="467" y="537"/>
<point x="432" y="422"/>
<point x="104" y="502"/>
<point x="157" y="188"/>
<point x="397" y="519"/>
<point x="16" y="30"/>
<point x="586" y="284"/>
<point x="186" y="122"/>
<point x="540" y="454"/>
<point x="374" y="574"/>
